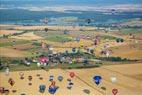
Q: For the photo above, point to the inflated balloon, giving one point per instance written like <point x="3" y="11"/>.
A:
<point x="53" y="83"/>
<point x="30" y="78"/>
<point x="113" y="79"/>
<point x="7" y="71"/>
<point x="87" y="91"/>
<point x="114" y="91"/>
<point x="52" y="89"/>
<point x="21" y="75"/>
<point x="60" y="78"/>
<point x="70" y="84"/>
<point x="11" y="81"/>
<point x="72" y="74"/>
<point x="51" y="78"/>
<point x="97" y="79"/>
<point x="42" y="88"/>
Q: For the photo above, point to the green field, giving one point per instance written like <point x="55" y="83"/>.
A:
<point x="10" y="43"/>
<point x="126" y="31"/>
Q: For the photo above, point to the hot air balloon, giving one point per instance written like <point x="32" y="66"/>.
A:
<point x="97" y="79"/>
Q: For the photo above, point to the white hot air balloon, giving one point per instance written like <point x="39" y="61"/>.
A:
<point x="113" y="79"/>
<point x="7" y="71"/>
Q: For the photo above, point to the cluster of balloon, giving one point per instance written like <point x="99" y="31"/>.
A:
<point x="51" y="78"/>
<point x="21" y="74"/>
<point x="11" y="81"/>
<point x="60" y="78"/>
<point x="97" y="79"/>
<point x="52" y="88"/>
<point x="72" y="74"/>
<point x="114" y="91"/>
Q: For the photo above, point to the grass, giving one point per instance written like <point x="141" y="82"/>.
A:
<point x="126" y="31"/>
<point x="19" y="67"/>
<point x="3" y="44"/>
<point x="33" y="66"/>
<point x="58" y="38"/>
<point x="108" y="37"/>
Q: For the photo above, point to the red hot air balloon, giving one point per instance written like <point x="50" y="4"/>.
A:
<point x="114" y="91"/>
<point x="72" y="74"/>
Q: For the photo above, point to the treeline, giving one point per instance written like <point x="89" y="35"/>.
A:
<point x="115" y="59"/>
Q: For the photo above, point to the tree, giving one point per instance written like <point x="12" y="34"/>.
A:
<point x="117" y="40"/>
<point x="121" y="40"/>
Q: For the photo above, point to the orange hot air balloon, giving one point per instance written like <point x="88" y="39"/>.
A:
<point x="53" y="83"/>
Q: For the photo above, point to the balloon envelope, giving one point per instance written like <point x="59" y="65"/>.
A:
<point x="72" y="74"/>
<point x="113" y="79"/>
<point x="97" y="79"/>
<point x="60" y="78"/>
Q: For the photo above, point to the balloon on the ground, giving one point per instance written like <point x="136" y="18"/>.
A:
<point x="52" y="89"/>
<point x="60" y="78"/>
<point x="97" y="79"/>
<point x="7" y="71"/>
<point x="114" y="91"/>
<point x="113" y="79"/>
<point x="72" y="74"/>
<point x="51" y="78"/>
<point x="21" y="74"/>
<point x="42" y="88"/>
<point x="11" y="81"/>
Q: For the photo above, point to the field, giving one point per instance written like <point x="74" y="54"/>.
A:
<point x="128" y="82"/>
<point x="122" y="58"/>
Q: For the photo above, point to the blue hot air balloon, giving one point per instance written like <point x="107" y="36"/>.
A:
<point x="52" y="89"/>
<point x="42" y="88"/>
<point x="97" y="79"/>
